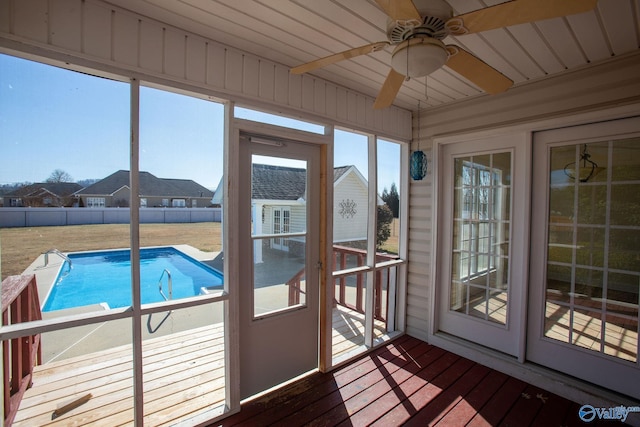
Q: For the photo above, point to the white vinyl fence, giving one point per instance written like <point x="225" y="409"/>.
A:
<point x="38" y="217"/>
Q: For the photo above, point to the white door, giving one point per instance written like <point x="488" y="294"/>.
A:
<point x="279" y="295"/>
<point x="281" y="225"/>
<point x="481" y="238"/>
<point x="585" y="253"/>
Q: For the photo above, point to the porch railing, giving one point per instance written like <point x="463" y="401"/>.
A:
<point x="295" y="287"/>
<point x="350" y="258"/>
<point x="20" y="304"/>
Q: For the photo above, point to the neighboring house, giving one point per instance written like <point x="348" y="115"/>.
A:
<point x="278" y="199"/>
<point x="43" y="194"/>
<point x="114" y="191"/>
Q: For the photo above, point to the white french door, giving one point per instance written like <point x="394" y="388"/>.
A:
<point x="481" y="238"/>
<point x="585" y="253"/>
<point x="281" y="225"/>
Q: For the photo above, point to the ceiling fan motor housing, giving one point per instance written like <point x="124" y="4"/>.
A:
<point x="399" y="31"/>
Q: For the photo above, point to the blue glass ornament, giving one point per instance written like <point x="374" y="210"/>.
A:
<point x="418" y="165"/>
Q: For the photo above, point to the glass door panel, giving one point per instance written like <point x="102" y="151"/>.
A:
<point x="585" y="274"/>
<point x="480" y="268"/>
<point x="279" y="227"/>
<point x="592" y="270"/>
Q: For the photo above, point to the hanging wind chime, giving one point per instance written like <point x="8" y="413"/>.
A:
<point x="418" y="161"/>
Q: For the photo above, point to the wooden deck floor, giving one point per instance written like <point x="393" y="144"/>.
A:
<point x="409" y="382"/>
<point x="406" y="382"/>
<point x="184" y="377"/>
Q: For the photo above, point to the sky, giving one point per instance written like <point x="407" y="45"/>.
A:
<point x="52" y="118"/>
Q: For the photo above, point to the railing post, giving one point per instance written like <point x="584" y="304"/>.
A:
<point x="377" y="303"/>
<point x="20" y="303"/>
<point x="343" y="280"/>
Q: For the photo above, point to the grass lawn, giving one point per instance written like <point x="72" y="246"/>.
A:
<point x="21" y="246"/>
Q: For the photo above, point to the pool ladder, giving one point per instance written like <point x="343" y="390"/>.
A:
<point x="169" y="284"/>
<point x="56" y="252"/>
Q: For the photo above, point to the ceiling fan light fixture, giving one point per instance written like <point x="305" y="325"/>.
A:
<point x="419" y="56"/>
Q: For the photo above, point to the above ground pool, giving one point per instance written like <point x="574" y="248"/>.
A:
<point x="105" y="278"/>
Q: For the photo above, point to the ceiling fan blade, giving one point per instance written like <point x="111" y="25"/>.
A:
<point x="477" y="71"/>
<point x="390" y="88"/>
<point x="336" y="57"/>
<point x="515" y="12"/>
<point x="400" y="10"/>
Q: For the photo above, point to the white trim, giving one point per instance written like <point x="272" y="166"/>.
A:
<point x="231" y="245"/>
<point x="134" y="179"/>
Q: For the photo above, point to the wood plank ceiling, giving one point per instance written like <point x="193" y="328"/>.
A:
<point x="292" y="32"/>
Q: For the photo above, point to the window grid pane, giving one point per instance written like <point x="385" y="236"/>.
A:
<point x="593" y="277"/>
<point x="480" y="269"/>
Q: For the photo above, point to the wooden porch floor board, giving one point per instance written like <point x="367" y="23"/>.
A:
<point x="405" y="382"/>
<point x="184" y="367"/>
<point x="408" y="382"/>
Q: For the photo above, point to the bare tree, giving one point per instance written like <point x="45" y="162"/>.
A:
<point x="59" y="175"/>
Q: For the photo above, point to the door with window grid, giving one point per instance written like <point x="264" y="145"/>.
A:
<point x="281" y="225"/>
<point x="585" y="254"/>
<point x="480" y="270"/>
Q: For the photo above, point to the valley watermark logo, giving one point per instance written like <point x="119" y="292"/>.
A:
<point x="588" y="413"/>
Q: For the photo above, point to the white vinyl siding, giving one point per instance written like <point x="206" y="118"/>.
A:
<point x="352" y="224"/>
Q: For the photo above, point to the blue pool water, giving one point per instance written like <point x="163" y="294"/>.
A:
<point x="105" y="277"/>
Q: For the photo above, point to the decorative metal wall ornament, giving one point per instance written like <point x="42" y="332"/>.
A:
<point x="348" y="208"/>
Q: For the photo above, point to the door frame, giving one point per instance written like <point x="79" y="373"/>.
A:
<point x="495" y="335"/>
<point x="232" y="204"/>
<point x="578" y="362"/>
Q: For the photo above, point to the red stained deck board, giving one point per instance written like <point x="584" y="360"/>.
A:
<point x="467" y="408"/>
<point x="340" y="404"/>
<point x="450" y="397"/>
<point x="553" y="410"/>
<point x="403" y="411"/>
<point x="409" y="382"/>
<point x="290" y="398"/>
<point x="492" y="413"/>
<point x="348" y="383"/>
<point x="526" y="408"/>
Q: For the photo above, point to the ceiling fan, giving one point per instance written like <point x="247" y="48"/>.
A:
<point x="416" y="29"/>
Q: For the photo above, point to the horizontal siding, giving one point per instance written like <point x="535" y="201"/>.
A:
<point x="103" y="34"/>
<point x="350" y="228"/>
<point x="603" y="85"/>
<point x="420" y="253"/>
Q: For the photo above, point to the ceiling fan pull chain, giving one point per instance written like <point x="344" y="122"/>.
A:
<point x="426" y="89"/>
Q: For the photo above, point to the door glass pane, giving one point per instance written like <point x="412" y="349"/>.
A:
<point x="593" y="273"/>
<point x="278" y="229"/>
<point x="482" y="210"/>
